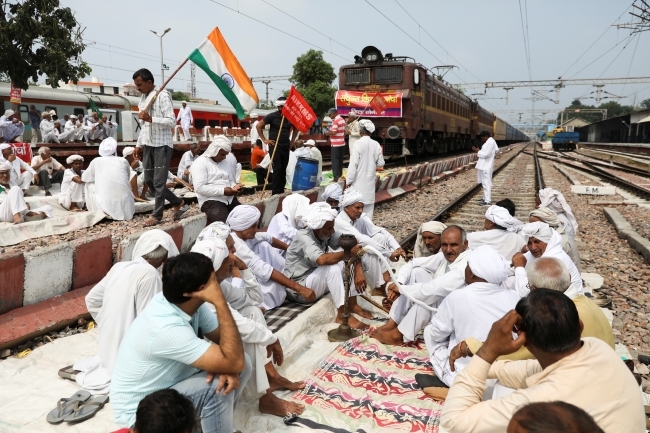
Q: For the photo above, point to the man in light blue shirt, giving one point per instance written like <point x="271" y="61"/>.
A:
<point x="163" y="347"/>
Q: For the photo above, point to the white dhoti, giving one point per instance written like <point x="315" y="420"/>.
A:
<point x="485" y="179"/>
<point x="328" y="278"/>
<point x="67" y="135"/>
<point x="74" y="194"/>
<point x="373" y="266"/>
<point x="51" y="137"/>
<point x="23" y="181"/>
<point x="274" y="293"/>
<point x="185" y="126"/>
<point x="411" y="317"/>
<point x="439" y="356"/>
<point x="14" y="203"/>
<point x="259" y="380"/>
<point x="92" y="202"/>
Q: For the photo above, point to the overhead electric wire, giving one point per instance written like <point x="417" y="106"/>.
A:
<point x="629" y="68"/>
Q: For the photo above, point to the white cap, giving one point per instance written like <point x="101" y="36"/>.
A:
<point x="72" y="116"/>
<point x="254" y="116"/>
<point x="310" y="142"/>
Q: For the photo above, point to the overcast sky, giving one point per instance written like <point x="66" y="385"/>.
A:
<point x="484" y="39"/>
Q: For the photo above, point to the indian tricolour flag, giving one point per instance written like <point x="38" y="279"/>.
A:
<point x="216" y="59"/>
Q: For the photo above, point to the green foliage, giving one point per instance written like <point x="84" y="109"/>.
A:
<point x="613" y="108"/>
<point x="40" y="38"/>
<point x="313" y="77"/>
<point x="180" y="96"/>
<point x="645" y="104"/>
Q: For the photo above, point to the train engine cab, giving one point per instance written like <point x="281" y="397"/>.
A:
<point x="422" y="113"/>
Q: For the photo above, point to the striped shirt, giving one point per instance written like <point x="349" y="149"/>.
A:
<point x="158" y="132"/>
<point x="156" y="354"/>
<point x="338" y="126"/>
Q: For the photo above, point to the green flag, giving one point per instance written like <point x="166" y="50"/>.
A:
<point x="95" y="108"/>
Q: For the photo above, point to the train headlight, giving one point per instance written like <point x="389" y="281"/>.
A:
<point x="393" y="132"/>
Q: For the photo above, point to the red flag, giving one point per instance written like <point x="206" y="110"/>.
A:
<point x="23" y="151"/>
<point x="298" y="112"/>
<point x="378" y="103"/>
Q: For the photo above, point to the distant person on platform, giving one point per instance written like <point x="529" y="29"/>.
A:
<point x="72" y="195"/>
<point x="257" y="158"/>
<point x="364" y="161"/>
<point x="485" y="165"/>
<point x="22" y="179"/>
<point x="13" y="208"/>
<point x="214" y="183"/>
<point x="337" y="140"/>
<point x="186" y="120"/>
<point x="107" y="183"/>
<point x="254" y="135"/>
<point x="49" y="133"/>
<point x="187" y="160"/>
<point x="315" y="154"/>
<point x="155" y="147"/>
<point x="352" y="129"/>
<point x="103" y="129"/>
<point x="49" y="169"/>
<point x="11" y="126"/>
<point x="35" y="121"/>
<point x="283" y="139"/>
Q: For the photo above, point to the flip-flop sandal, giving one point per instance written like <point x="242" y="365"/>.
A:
<point x="66" y="406"/>
<point x="152" y="222"/>
<point x="429" y="380"/>
<point x="69" y="373"/>
<point x="87" y="409"/>
<point x="179" y="213"/>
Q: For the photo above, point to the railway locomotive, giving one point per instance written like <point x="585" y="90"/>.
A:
<point x="423" y="114"/>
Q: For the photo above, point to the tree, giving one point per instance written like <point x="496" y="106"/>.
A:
<point x="313" y="77"/>
<point x="180" y="96"/>
<point x="40" y="38"/>
<point x="645" y="104"/>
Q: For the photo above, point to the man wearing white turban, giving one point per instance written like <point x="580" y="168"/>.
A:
<point x="543" y="241"/>
<point x="214" y="182"/>
<point x="13" y="207"/>
<point x="107" y="186"/>
<point x="497" y="234"/>
<point x="187" y="160"/>
<point x="485" y="166"/>
<point x="285" y="224"/>
<point x="72" y="187"/>
<point x="420" y="293"/>
<point x="24" y="179"/>
<point x="362" y="169"/>
<point x="551" y="218"/>
<point x="260" y="344"/>
<point x="332" y="194"/>
<point x="48" y="131"/>
<point x="309" y="263"/>
<point x="118" y="299"/>
<point x="555" y="201"/>
<point x="258" y="251"/>
<point x="351" y="222"/>
<point x="352" y="129"/>
<point x="11" y="127"/>
<point x="469" y="312"/>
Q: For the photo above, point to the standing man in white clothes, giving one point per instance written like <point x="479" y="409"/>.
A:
<point x="155" y="147"/>
<point x="364" y="160"/>
<point x="254" y="134"/>
<point x="186" y="120"/>
<point x="317" y="155"/>
<point x="485" y="165"/>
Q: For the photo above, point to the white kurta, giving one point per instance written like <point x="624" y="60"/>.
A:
<point x="254" y="135"/>
<point x="211" y="179"/>
<point x="281" y="229"/>
<point x="48" y="132"/>
<point x="505" y="242"/>
<point x="71" y="192"/>
<point x="361" y="175"/>
<point x="318" y="156"/>
<point x="14" y="202"/>
<point x="69" y="130"/>
<point x="114" y="303"/>
<point x="186" y="162"/>
<point x="354" y="136"/>
<point x="274" y="293"/>
<point x="24" y="179"/>
<point x="108" y="188"/>
<point x="234" y="168"/>
<point x="185" y="116"/>
<point x="464" y="313"/>
<point x="485" y="166"/>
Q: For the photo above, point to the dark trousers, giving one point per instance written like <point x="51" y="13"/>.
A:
<point x="156" y="162"/>
<point x="337" y="161"/>
<point x="280" y="162"/>
<point x="261" y="175"/>
<point x="218" y="211"/>
<point x="45" y="180"/>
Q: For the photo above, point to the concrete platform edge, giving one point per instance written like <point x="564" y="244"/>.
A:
<point x="625" y="231"/>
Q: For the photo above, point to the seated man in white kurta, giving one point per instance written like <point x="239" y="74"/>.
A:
<point x="332" y="194"/>
<point x="470" y="310"/>
<point x="497" y="234"/>
<point x="285" y="224"/>
<point x="427" y="256"/>
<point x="352" y="221"/>
<point x="72" y="187"/>
<point x="414" y="304"/>
<point x="107" y="183"/>
<point x="548" y="216"/>
<point x="260" y="344"/>
<point x="48" y="131"/>
<point x="13" y="208"/>
<point x="136" y="175"/>
<point x="310" y="264"/>
<point x="24" y="179"/>
<point x="258" y="251"/>
<point x="116" y="301"/>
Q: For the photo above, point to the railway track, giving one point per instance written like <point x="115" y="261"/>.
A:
<point x="518" y="178"/>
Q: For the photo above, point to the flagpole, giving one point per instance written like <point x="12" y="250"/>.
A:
<point x="275" y="147"/>
<point x="164" y="85"/>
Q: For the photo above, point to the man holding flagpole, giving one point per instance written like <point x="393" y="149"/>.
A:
<point x="155" y="145"/>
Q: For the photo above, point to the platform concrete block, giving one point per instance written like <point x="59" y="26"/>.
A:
<point x="48" y="273"/>
<point x="93" y="258"/>
<point x="192" y="226"/>
<point x="12" y="277"/>
<point x="176" y="232"/>
<point x="271" y="206"/>
<point x="126" y="246"/>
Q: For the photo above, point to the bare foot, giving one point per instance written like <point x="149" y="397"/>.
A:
<point x="47" y="193"/>
<point x="140" y="200"/>
<point x="389" y="326"/>
<point x="179" y="206"/>
<point x="281" y="382"/>
<point x="356" y="309"/>
<point x="353" y="322"/>
<point x="75" y="208"/>
<point x="273" y="405"/>
<point x="391" y="338"/>
<point x="18" y="219"/>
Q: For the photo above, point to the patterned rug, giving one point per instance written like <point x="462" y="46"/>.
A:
<point x="365" y="386"/>
<point x="278" y="317"/>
